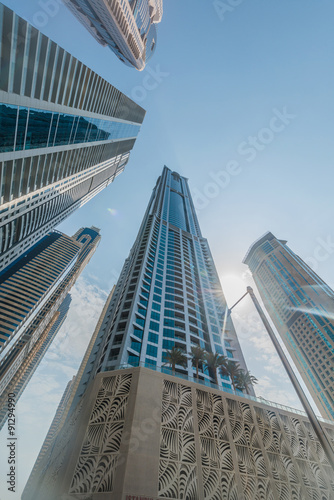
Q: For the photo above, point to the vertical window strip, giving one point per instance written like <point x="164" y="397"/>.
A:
<point x="50" y="64"/>
<point x="61" y="76"/>
<point x="88" y="89"/>
<point x="58" y="70"/>
<point x="14" y="39"/>
<point x="69" y="80"/>
<point x="35" y="63"/>
<point x="97" y="93"/>
<point x="64" y="78"/>
<point x="75" y="82"/>
<point x="84" y="87"/>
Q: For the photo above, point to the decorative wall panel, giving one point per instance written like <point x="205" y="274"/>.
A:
<point x="99" y="454"/>
<point x="274" y="455"/>
<point x="178" y="471"/>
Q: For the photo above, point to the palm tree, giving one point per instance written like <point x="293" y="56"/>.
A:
<point x="197" y="357"/>
<point x="244" y="379"/>
<point x="232" y="370"/>
<point x="175" y="356"/>
<point x="214" y="361"/>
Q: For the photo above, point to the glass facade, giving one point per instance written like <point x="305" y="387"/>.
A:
<point x="65" y="134"/>
<point x="168" y="294"/>
<point x="24" y="128"/>
<point x="301" y="307"/>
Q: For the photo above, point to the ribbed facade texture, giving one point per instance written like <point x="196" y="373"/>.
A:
<point x="65" y="134"/>
<point x="301" y="305"/>
<point x="127" y="27"/>
<point x="168" y="294"/>
<point x="32" y="294"/>
<point x="33" y="356"/>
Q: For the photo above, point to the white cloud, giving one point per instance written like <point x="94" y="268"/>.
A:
<point x="72" y="340"/>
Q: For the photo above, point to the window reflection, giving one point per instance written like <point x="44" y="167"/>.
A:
<point x="21" y="128"/>
<point x="36" y="128"/>
<point x="8" y="117"/>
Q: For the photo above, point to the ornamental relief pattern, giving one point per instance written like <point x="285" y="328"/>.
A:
<point x="244" y="449"/>
<point x="97" y="462"/>
<point x="177" y="468"/>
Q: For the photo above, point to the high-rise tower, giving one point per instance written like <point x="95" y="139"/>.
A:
<point x="168" y="294"/>
<point x="127" y="27"/>
<point x="65" y="134"/>
<point x="33" y="304"/>
<point x="301" y="306"/>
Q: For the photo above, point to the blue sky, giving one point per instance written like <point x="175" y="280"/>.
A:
<point x="220" y="79"/>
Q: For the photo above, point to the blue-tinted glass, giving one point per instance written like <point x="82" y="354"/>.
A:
<point x="53" y="129"/>
<point x="152" y="350"/>
<point x="94" y="131"/>
<point x="44" y="129"/>
<point x="154" y="326"/>
<point x="81" y="130"/>
<point x="138" y="333"/>
<point x="155" y="315"/>
<point x="140" y="321"/>
<point x="8" y="116"/>
<point x="153" y="337"/>
<point x="136" y="346"/>
<point x="38" y="129"/>
<point x="133" y="360"/>
<point x="21" y="128"/>
<point x="150" y="362"/>
<point x="168" y="344"/>
<point x="64" y="129"/>
<point x="74" y="129"/>
<point x="169" y="333"/>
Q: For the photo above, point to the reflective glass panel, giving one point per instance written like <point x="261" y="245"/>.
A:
<point x="38" y="129"/>
<point x="64" y="129"/>
<point x="8" y="115"/>
<point x="21" y="128"/>
<point x="53" y="129"/>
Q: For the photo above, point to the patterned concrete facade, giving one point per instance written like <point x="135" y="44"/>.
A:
<point x="180" y="440"/>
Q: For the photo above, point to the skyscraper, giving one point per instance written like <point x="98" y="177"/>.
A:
<point x="127" y="27"/>
<point x="65" y="134"/>
<point x="29" y="361"/>
<point x="301" y="306"/>
<point x="168" y="294"/>
<point x="135" y="428"/>
<point x="33" y="304"/>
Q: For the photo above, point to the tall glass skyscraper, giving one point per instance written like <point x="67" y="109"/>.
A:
<point x="34" y="302"/>
<point x="65" y="134"/>
<point x="301" y="306"/>
<point x="168" y="294"/>
<point x="127" y="27"/>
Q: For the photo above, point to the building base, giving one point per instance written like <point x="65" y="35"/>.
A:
<point x="143" y="435"/>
